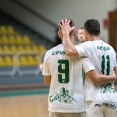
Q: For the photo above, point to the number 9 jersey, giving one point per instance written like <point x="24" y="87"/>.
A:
<point x="66" y="88"/>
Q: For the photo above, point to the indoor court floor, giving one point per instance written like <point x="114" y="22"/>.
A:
<point x="26" y="103"/>
<point x="23" y="104"/>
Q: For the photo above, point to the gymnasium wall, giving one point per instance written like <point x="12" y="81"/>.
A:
<point x="55" y="10"/>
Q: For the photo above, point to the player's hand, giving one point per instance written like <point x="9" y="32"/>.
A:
<point x="65" y="27"/>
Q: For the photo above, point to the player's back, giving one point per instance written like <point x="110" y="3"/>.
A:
<point x="104" y="58"/>
<point x="66" y="88"/>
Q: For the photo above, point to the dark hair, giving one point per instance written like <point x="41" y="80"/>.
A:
<point x="81" y="27"/>
<point x="92" y="26"/>
<point x="71" y="24"/>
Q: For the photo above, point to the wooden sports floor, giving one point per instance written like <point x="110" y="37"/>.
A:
<point x="18" y="104"/>
<point x="24" y="103"/>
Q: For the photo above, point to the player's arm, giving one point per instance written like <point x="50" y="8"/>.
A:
<point x="46" y="72"/>
<point x="47" y="80"/>
<point x="115" y="70"/>
<point x="94" y="76"/>
<point x="69" y="48"/>
<point x="99" y="78"/>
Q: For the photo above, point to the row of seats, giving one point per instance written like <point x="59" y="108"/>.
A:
<point x="22" y="48"/>
<point x="8" y="30"/>
<point x="15" y="39"/>
<point x="11" y="41"/>
<point x="8" y="61"/>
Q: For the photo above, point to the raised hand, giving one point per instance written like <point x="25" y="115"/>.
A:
<point x="65" y="27"/>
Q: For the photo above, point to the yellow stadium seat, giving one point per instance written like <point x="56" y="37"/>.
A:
<point x="12" y="40"/>
<point x="34" y="48"/>
<point x="6" y="48"/>
<point x="5" y="40"/>
<point x="32" y="61"/>
<point x="42" y="49"/>
<point x="26" y="39"/>
<point x="20" y="48"/>
<point x="10" y="30"/>
<point x="3" y="30"/>
<point x="19" y="39"/>
<point x="8" y="61"/>
<point x="37" y="59"/>
<point x="14" y="49"/>
<point x="28" y="48"/>
<point x="1" y="41"/>
<point x="2" y="63"/>
<point x="23" y="61"/>
<point x="1" y="49"/>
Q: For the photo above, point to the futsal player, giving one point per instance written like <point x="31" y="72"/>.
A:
<point x="100" y="100"/>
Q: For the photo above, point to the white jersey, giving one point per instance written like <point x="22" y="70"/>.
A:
<point x="66" y="89"/>
<point x="104" y="58"/>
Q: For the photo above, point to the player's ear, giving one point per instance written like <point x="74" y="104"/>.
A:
<point x="86" y="32"/>
<point x="60" y="34"/>
<point x="75" y="32"/>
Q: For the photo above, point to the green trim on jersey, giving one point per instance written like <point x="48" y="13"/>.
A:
<point x="83" y="76"/>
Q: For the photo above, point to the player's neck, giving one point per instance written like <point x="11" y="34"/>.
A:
<point x="93" y="38"/>
<point x="82" y="41"/>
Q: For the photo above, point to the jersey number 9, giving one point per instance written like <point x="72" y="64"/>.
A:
<point x="63" y="69"/>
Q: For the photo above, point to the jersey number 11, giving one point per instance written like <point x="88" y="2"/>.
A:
<point x="107" y="66"/>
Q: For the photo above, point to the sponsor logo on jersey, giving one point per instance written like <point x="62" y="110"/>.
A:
<point x="103" y="48"/>
<point x="108" y="105"/>
<point x="58" y="52"/>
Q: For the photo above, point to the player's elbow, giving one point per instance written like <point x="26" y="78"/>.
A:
<point x="47" y="84"/>
<point x="47" y="80"/>
<point x="96" y="80"/>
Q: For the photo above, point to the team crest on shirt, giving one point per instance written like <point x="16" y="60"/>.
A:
<point x="63" y="96"/>
<point x="107" y="88"/>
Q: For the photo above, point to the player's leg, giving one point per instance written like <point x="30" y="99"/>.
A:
<point x="94" y="109"/>
<point x="110" y="109"/>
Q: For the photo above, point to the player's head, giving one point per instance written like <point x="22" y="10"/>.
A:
<point x="81" y="35"/>
<point x="92" y="27"/>
<point x="72" y="33"/>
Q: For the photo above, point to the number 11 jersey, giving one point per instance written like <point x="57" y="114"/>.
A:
<point x="103" y="57"/>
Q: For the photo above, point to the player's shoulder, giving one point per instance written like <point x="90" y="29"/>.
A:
<point x="83" y="58"/>
<point x="86" y="43"/>
<point x="109" y="46"/>
<point x="54" y="48"/>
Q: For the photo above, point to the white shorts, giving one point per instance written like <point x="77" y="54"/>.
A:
<point x="56" y="114"/>
<point x="101" y="109"/>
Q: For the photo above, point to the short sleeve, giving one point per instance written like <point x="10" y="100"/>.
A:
<point x="87" y="65"/>
<point x="45" y="70"/>
<point x="83" y="49"/>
